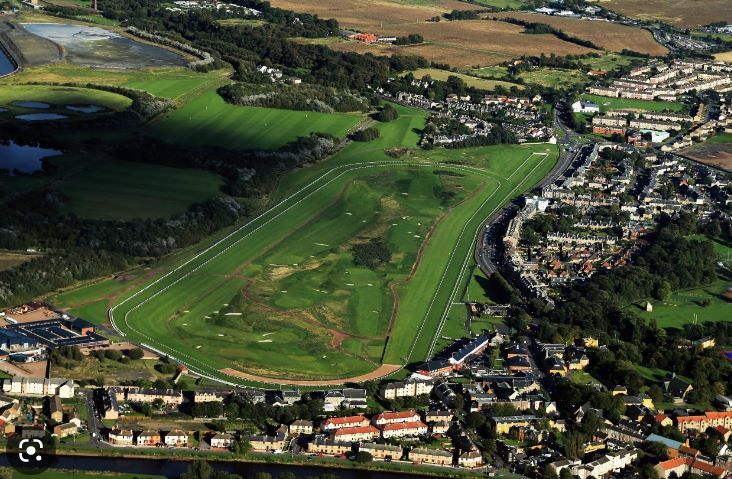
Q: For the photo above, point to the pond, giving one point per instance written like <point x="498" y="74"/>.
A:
<point x="36" y="105"/>
<point x="6" y="66"/>
<point x="23" y="158"/>
<point x="85" y="108"/>
<point x="3" y="110"/>
<point x="41" y="117"/>
<point x="95" y="46"/>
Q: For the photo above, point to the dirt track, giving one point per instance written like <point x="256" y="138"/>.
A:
<point x="381" y="371"/>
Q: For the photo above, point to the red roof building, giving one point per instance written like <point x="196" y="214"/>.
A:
<point x="343" y="422"/>
<point x="392" y="417"/>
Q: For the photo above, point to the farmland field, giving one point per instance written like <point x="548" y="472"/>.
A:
<point x="607" y="35"/>
<point x="608" y="103"/>
<point x="683" y="13"/>
<point x="724" y="56"/>
<point x="461" y="44"/>
<point x="281" y="296"/>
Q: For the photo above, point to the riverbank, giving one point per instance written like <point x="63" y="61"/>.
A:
<point x="174" y="465"/>
<point x="395" y="469"/>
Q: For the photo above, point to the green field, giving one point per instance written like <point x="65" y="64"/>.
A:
<point x="704" y="304"/>
<point x="209" y="120"/>
<point x="607" y="103"/>
<point x="547" y="77"/>
<point x="121" y="190"/>
<point x="303" y="295"/>
<point x="721" y="138"/>
<point x="58" y="97"/>
<point x="472" y="81"/>
<point x="607" y="62"/>
<point x="99" y="187"/>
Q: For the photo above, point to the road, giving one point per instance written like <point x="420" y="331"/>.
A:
<point x="485" y="253"/>
<point x="94" y="423"/>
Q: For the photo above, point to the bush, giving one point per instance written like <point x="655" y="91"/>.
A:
<point x="364" y="456"/>
<point x="166" y="368"/>
<point x="386" y="114"/>
<point x="113" y="354"/>
<point x="136" y="353"/>
<point x="372" y="254"/>
<point x="368" y="134"/>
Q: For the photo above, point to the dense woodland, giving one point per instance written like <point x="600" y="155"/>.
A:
<point x="302" y="97"/>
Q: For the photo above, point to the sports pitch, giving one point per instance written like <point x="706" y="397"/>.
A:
<point x="280" y="300"/>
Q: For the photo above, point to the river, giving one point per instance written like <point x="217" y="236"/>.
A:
<point x="170" y="468"/>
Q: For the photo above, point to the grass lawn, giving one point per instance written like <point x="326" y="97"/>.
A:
<point x="554" y="78"/>
<point x="607" y="103"/>
<point x="607" y="62"/>
<point x="547" y="77"/>
<point x="688" y="305"/>
<point x="582" y="377"/>
<point x="721" y="138"/>
<point x="471" y="81"/>
<point x="122" y="190"/>
<point x="309" y="312"/>
<point x="58" y="96"/>
<point x="209" y="120"/>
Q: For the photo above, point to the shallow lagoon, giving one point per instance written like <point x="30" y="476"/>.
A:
<point x="36" y="105"/>
<point x="85" y="108"/>
<point x="23" y="158"/>
<point x="41" y="117"/>
<point x="95" y="46"/>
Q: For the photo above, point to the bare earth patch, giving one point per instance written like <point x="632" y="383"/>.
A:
<point x="470" y="43"/>
<point x="381" y="371"/>
<point x="717" y="155"/>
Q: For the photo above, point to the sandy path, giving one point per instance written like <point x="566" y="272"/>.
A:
<point x="381" y="371"/>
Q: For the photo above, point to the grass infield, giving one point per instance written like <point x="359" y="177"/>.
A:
<point x="281" y="298"/>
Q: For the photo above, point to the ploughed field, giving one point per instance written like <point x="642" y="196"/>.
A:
<point x="281" y="299"/>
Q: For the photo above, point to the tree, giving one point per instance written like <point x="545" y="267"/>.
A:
<point x="386" y="114"/>
<point x="367" y="134"/>
<point x="459" y="402"/>
<point x="231" y="411"/>
<point x="566" y="473"/>
<point x="198" y="470"/>
<point x="158" y="403"/>
<point x="136" y="353"/>
<point x="242" y="446"/>
<point x="113" y="354"/>
<point x="364" y="456"/>
<point x="663" y="291"/>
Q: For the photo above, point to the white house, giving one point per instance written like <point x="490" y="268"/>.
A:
<point x="585" y="107"/>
